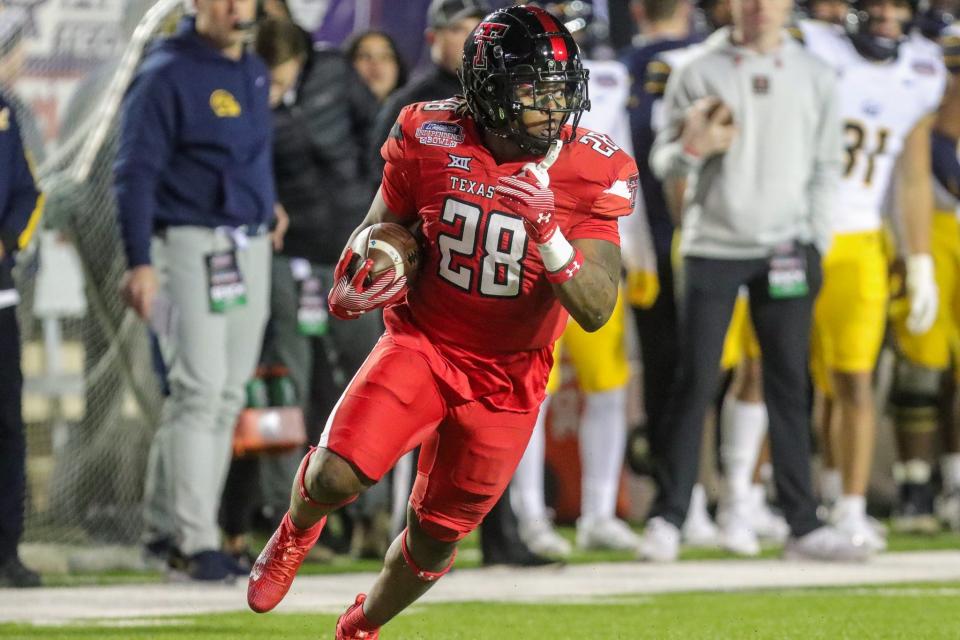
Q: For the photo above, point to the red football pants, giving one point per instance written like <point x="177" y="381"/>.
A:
<point x="469" y="451"/>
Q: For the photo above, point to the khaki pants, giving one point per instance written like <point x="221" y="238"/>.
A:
<point x="208" y="357"/>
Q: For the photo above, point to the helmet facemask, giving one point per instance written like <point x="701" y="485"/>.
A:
<point x="876" y="47"/>
<point x="559" y="98"/>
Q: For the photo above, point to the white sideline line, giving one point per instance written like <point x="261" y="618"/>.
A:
<point x="333" y="593"/>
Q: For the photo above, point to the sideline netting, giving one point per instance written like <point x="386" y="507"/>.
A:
<point x="91" y="397"/>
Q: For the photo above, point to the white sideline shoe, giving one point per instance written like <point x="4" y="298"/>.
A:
<point x="698" y="529"/>
<point x="660" y="541"/>
<point x="877" y="526"/>
<point x="606" y="533"/>
<point x="767" y="523"/>
<point x="737" y="534"/>
<point x="826" y="544"/>
<point x="859" y="529"/>
<point x="737" y="537"/>
<point x="542" y="539"/>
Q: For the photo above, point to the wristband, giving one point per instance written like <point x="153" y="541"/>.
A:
<point x="690" y="159"/>
<point x="556" y="252"/>
<point x="567" y="271"/>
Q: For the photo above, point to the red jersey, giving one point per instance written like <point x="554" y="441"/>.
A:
<point x="482" y="285"/>
<point x="482" y="311"/>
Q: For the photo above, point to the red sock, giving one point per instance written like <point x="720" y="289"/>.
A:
<point x="356" y="619"/>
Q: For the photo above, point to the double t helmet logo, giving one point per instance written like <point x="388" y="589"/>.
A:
<point x="486" y="33"/>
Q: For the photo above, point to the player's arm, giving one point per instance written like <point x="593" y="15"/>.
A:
<point x="946" y="135"/>
<point x="591" y="293"/>
<point x="584" y="271"/>
<point x="916" y="194"/>
<point x="916" y="205"/>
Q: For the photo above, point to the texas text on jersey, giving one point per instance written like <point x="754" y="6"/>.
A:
<point x="482" y="286"/>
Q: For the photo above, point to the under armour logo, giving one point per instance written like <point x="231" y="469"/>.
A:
<point x="543" y="218"/>
<point x="459" y="162"/>
<point x="486" y="32"/>
<point x="572" y="269"/>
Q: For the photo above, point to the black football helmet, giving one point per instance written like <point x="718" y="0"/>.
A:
<point x="523" y="59"/>
<point x="937" y="16"/>
<point x="872" y="46"/>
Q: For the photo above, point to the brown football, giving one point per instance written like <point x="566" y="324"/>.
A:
<point x="389" y="245"/>
<point x="728" y="118"/>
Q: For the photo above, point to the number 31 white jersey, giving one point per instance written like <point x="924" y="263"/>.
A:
<point x="881" y="103"/>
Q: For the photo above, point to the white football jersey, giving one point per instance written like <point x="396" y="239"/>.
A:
<point x="881" y="103"/>
<point x="609" y="93"/>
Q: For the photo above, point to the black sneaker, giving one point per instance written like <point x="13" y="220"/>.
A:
<point x="518" y="557"/>
<point x="14" y="574"/>
<point x="238" y="565"/>
<point x="244" y="559"/>
<point x="914" y="511"/>
<point x="209" y="566"/>
<point x="156" y="553"/>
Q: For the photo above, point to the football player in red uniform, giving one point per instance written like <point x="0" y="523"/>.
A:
<point x="519" y="213"/>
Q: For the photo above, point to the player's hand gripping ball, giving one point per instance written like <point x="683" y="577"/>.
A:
<point x="374" y="270"/>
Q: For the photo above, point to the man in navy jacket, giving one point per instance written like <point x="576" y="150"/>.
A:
<point x="195" y="196"/>
<point x="20" y="207"/>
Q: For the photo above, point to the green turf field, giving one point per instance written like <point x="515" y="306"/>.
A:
<point x="911" y="612"/>
<point x="469" y="557"/>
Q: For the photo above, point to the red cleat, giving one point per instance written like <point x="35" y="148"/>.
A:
<point x="273" y="572"/>
<point x="347" y="623"/>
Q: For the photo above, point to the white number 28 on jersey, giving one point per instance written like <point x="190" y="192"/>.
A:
<point x="502" y="243"/>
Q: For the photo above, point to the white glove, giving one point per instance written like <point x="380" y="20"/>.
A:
<point x="922" y="293"/>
